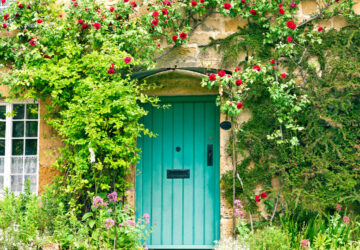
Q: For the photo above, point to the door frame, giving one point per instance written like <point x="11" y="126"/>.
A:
<point x="200" y="98"/>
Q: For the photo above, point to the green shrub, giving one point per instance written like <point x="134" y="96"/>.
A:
<point x="269" y="238"/>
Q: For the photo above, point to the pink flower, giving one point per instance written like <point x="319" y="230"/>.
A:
<point x="109" y="223"/>
<point x="320" y="28"/>
<point x="4" y="25"/>
<point x="112" y="197"/>
<point x="131" y="223"/>
<point x="338" y="207"/>
<point x="304" y="243"/>
<point x="346" y="220"/>
<point x="32" y="42"/>
<point x="76" y="4"/>
<point x="97" y="202"/>
<point x="3" y="1"/>
<point x="289" y="39"/>
<point x="127" y="59"/>
<point x="112" y="9"/>
<point x="293" y="5"/>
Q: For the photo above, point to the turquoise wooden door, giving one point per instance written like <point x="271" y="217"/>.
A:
<point x="177" y="181"/>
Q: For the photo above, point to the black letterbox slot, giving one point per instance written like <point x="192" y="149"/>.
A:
<point x="178" y="173"/>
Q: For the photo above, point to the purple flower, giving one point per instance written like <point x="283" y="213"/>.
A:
<point x="109" y="223"/>
<point x="112" y="197"/>
<point x="146" y="216"/>
<point x="238" y="203"/>
<point x="97" y="202"/>
<point x="110" y="210"/>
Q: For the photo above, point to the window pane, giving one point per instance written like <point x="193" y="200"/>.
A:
<point x="17" y="165"/>
<point x="30" y="165"/>
<point x="2" y="129"/>
<point x="31" y="129"/>
<point x="18" y="129"/>
<point x="19" y="110"/>
<point x="1" y="165"/>
<point x="16" y="183"/>
<point x="31" y="111"/>
<point x="2" y="147"/>
<point x="3" y="112"/>
<point x="31" y="147"/>
<point x="1" y="182"/>
<point x="32" y="180"/>
<point x="18" y="147"/>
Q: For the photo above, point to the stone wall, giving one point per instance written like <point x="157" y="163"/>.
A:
<point x="189" y="55"/>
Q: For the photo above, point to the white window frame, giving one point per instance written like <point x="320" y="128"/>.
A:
<point x="8" y="144"/>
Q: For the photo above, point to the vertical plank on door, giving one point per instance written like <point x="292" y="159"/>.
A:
<point x="178" y="164"/>
<point x="188" y="215"/>
<point x="167" y="191"/>
<point x="157" y="178"/>
<point x="199" y="162"/>
<point x="209" y="176"/>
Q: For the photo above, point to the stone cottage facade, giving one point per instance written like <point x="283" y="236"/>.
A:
<point x="36" y="144"/>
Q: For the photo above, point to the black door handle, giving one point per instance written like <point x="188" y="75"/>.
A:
<point x="210" y="155"/>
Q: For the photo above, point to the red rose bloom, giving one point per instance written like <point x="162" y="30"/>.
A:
<point x="97" y="26"/>
<point x="202" y="1"/>
<point x="32" y="42"/>
<point x="272" y="61"/>
<point x="221" y="73"/>
<point x="242" y="1"/>
<point x="212" y="77"/>
<point x="39" y="21"/>
<point x="20" y="6"/>
<point x="280" y="5"/>
<point x="112" y="9"/>
<point x="155" y="14"/>
<point x="111" y="71"/>
<point x="6" y="17"/>
<point x="291" y="25"/>
<point x="155" y="21"/>
<point x="283" y="75"/>
<point x="86" y="8"/>
<point x="227" y="6"/>
<point x="76" y="4"/>
<point x="237" y="69"/>
<point x="174" y="38"/>
<point x="257" y="198"/>
<point x="253" y="12"/>
<point x="238" y="82"/>
<point x="29" y="7"/>
<point x="281" y="11"/>
<point x="84" y="26"/>
<point x="183" y="35"/>
<point x="293" y="5"/>
<point x="239" y="105"/>
<point x="257" y="67"/>
<point x="164" y="11"/>
<point x="320" y="28"/>
<point x="263" y="195"/>
<point x="3" y="1"/>
<point x="80" y="21"/>
<point x="167" y="3"/>
<point x="289" y="39"/>
<point x="4" y="25"/>
<point x="127" y="59"/>
<point x="133" y="4"/>
<point x="193" y="3"/>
